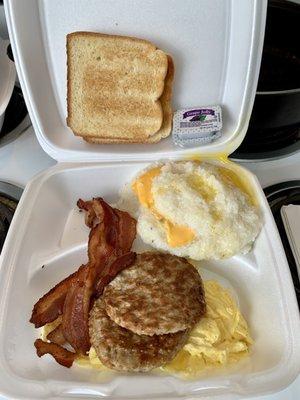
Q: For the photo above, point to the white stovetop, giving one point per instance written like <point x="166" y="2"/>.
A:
<point x="23" y="158"/>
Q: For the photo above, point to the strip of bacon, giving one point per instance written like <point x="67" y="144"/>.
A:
<point x="50" y="306"/>
<point x="103" y="238"/>
<point x="112" y="271"/>
<point x="110" y="240"/>
<point x="127" y="231"/>
<point x="111" y="237"/>
<point x="77" y="303"/>
<point x="62" y="356"/>
<point x="76" y="312"/>
<point x="57" y="335"/>
<point x="90" y="213"/>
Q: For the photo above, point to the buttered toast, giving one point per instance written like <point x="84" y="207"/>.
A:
<point x="117" y="88"/>
<point x="166" y="127"/>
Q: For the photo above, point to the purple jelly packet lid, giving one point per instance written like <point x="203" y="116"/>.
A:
<point x="195" y="120"/>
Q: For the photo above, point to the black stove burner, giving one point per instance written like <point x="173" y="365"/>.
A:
<point x="261" y="141"/>
<point x="7" y="209"/>
<point x="279" y="195"/>
<point x="9" y="197"/>
<point x="274" y="126"/>
<point x="15" y="112"/>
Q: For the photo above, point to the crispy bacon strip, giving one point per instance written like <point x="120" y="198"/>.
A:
<point x="62" y="356"/>
<point x="90" y="213"/>
<point x="76" y="312"/>
<point x="111" y="237"/>
<point x="103" y="236"/>
<point x="57" y="335"/>
<point x="50" y="306"/>
<point x="110" y="241"/>
<point x="77" y="303"/>
<point x="94" y="214"/>
<point x="127" y="231"/>
<point x="112" y="271"/>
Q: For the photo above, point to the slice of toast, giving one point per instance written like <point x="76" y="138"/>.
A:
<point x="166" y="127"/>
<point x="114" y="86"/>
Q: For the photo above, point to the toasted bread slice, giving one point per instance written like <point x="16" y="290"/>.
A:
<point x="152" y="139"/>
<point x="167" y="115"/>
<point x="114" y="86"/>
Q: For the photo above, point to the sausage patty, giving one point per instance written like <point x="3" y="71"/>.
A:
<point x="123" y="350"/>
<point x="157" y="295"/>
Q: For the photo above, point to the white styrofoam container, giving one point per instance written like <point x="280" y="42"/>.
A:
<point x="216" y="46"/>
<point x="48" y="231"/>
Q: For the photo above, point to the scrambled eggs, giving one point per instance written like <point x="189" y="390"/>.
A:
<point x="46" y="329"/>
<point x="220" y="338"/>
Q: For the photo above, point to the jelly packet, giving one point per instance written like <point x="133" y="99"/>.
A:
<point x="196" y="126"/>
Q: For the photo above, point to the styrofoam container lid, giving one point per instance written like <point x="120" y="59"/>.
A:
<point x="216" y="46"/>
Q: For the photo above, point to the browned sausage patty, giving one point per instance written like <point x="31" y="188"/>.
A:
<point x="158" y="294"/>
<point x="123" y="350"/>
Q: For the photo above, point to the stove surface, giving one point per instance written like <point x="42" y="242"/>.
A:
<point x="9" y="197"/>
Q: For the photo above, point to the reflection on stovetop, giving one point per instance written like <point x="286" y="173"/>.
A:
<point x="15" y="112"/>
<point x="274" y="126"/>
<point x="9" y="198"/>
<point x="16" y="118"/>
<point x="262" y="145"/>
<point x="257" y="140"/>
<point x="283" y="194"/>
<point x="7" y="209"/>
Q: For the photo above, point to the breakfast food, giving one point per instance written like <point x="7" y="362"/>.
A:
<point x="119" y="89"/>
<point x="198" y="210"/>
<point x="123" y="350"/>
<point x="88" y="307"/>
<point x="166" y="126"/>
<point x="137" y="312"/>
<point x="156" y="295"/>
<point x="144" y="316"/>
<point x="110" y="240"/>
<point x="220" y="338"/>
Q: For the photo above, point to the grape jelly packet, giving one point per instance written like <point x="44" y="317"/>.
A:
<point x="196" y="126"/>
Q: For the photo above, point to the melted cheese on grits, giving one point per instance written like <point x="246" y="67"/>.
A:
<point x="230" y="171"/>
<point x="177" y="235"/>
<point x="220" y="338"/>
<point x="193" y="209"/>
